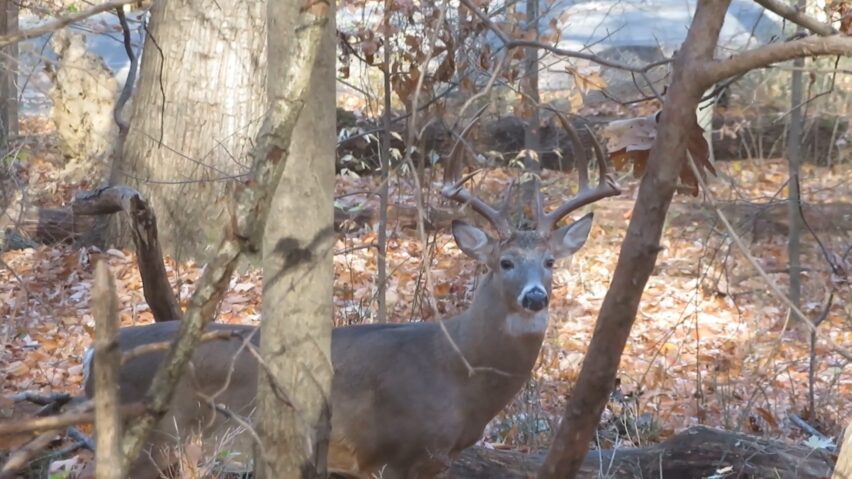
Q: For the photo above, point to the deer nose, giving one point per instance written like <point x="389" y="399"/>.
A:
<point x="534" y="299"/>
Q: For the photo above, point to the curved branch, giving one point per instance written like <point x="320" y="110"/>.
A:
<point x="793" y="14"/>
<point x="719" y="70"/>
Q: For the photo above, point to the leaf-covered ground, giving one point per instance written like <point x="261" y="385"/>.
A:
<point x="711" y="344"/>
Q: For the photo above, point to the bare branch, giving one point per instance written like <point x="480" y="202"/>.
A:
<point x="80" y="415"/>
<point x="62" y="22"/>
<point x="793" y="14"/>
<point x="144" y="349"/>
<point x="109" y="460"/>
<point x="20" y="458"/>
<point x="509" y="44"/>
<point x="123" y="126"/>
<point x="713" y="72"/>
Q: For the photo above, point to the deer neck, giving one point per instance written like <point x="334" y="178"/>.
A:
<point x="494" y="338"/>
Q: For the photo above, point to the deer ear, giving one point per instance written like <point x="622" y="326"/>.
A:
<point x="568" y="239"/>
<point x="472" y="241"/>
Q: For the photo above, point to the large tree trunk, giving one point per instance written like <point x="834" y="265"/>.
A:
<point x="199" y="104"/>
<point x="294" y="407"/>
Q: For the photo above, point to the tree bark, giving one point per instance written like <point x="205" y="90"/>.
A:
<point x="294" y="395"/>
<point x="109" y="461"/>
<point x="639" y="250"/>
<point x="8" y="74"/>
<point x="843" y="467"/>
<point x="794" y="160"/>
<point x="200" y="100"/>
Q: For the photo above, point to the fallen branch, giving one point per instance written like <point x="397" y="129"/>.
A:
<point x="697" y="452"/>
<point x="80" y="415"/>
<point x="20" y="458"/>
<point x="113" y="199"/>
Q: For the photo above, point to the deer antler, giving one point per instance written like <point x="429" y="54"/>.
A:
<point x="606" y="183"/>
<point x="454" y="190"/>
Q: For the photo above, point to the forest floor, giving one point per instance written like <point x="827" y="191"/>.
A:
<point x="711" y="344"/>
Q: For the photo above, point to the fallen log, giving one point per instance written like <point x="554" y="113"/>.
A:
<point x="699" y="452"/>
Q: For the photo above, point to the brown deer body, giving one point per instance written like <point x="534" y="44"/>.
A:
<point x="406" y="399"/>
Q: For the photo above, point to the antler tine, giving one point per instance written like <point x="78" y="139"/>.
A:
<point x="539" y="202"/>
<point x="459" y="193"/>
<point x="506" y="201"/>
<point x="606" y="183"/>
<point x="454" y="190"/>
<point x="581" y="158"/>
<point x="456" y="165"/>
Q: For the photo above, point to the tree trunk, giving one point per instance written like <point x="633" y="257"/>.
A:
<point x="639" y="250"/>
<point x="294" y="412"/>
<point x="794" y="160"/>
<point x="199" y="104"/>
<point x="843" y="467"/>
<point x="8" y="73"/>
<point x="532" y="100"/>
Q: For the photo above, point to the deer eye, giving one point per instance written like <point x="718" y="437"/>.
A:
<point x="549" y="262"/>
<point x="506" y="264"/>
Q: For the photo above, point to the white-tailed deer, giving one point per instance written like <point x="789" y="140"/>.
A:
<point x="406" y="398"/>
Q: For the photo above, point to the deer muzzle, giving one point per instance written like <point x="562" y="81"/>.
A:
<point x="534" y="299"/>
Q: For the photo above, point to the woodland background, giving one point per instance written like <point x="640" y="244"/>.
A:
<point x="712" y="345"/>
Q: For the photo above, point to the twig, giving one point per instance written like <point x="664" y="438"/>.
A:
<point x="509" y="44"/>
<point x="471" y="370"/>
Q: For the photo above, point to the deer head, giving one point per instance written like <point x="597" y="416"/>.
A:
<point x="520" y="262"/>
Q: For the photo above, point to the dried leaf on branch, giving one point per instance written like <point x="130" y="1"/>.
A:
<point x="630" y="141"/>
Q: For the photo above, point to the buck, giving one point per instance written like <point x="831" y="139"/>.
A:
<point x="406" y="398"/>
